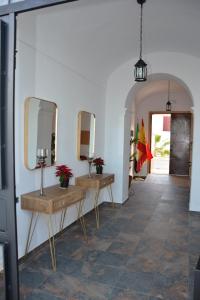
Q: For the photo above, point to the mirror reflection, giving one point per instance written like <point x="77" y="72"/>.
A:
<point x="86" y="135"/>
<point x="40" y="131"/>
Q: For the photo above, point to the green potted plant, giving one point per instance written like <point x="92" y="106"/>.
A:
<point x="64" y="173"/>
<point x="98" y="163"/>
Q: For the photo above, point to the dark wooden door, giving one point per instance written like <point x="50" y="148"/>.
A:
<point x="180" y="143"/>
<point x="8" y="234"/>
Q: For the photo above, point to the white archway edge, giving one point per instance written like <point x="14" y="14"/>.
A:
<point x="119" y="84"/>
<point x="142" y="102"/>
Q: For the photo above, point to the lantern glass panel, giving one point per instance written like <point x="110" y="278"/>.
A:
<point x="140" y="73"/>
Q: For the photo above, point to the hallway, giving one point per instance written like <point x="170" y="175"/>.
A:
<point x="146" y="249"/>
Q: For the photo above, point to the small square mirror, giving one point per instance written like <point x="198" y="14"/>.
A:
<point x="86" y="135"/>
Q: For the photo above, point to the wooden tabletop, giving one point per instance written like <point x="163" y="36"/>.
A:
<point x="95" y="181"/>
<point x="54" y="199"/>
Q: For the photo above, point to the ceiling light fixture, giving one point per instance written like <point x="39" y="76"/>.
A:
<point x="141" y="66"/>
<point x="168" y="104"/>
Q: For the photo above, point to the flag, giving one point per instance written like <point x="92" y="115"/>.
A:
<point x="144" y="152"/>
<point x="136" y="133"/>
<point x="135" y="150"/>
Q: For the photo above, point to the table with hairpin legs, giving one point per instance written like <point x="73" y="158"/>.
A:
<point x="97" y="182"/>
<point x="54" y="200"/>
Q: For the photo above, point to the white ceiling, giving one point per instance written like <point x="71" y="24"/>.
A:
<point x="94" y="37"/>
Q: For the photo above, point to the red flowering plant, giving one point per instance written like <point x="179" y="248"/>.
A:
<point x="64" y="172"/>
<point x="98" y="162"/>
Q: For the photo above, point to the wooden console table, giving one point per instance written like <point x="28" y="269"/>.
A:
<point x="97" y="182"/>
<point x="55" y="199"/>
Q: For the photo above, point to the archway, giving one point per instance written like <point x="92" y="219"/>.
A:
<point x="156" y="85"/>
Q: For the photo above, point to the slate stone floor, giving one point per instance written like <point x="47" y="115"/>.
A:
<point x="146" y="249"/>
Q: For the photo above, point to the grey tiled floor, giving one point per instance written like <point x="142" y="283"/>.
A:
<point x="146" y="249"/>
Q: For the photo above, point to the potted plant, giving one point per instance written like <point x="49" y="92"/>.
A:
<point x="98" y="163"/>
<point x="64" y="172"/>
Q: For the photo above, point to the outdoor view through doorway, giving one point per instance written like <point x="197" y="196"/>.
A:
<point x="160" y="143"/>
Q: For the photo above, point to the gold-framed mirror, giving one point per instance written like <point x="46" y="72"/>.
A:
<point x="86" y="135"/>
<point x="40" y="131"/>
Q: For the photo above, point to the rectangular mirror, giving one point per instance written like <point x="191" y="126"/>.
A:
<point x="2" y="274"/>
<point x="40" y="131"/>
<point x="86" y="135"/>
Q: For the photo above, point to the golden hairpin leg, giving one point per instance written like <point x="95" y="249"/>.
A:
<point x="52" y="243"/>
<point x="96" y="207"/>
<point x="81" y="218"/>
<point x="31" y="231"/>
<point x="111" y="195"/>
<point x="62" y="218"/>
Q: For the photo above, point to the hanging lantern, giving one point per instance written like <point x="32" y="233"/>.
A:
<point x="168" y="104"/>
<point x="140" y="71"/>
<point x="141" y="66"/>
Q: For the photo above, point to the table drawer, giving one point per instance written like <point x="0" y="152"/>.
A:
<point x="106" y="181"/>
<point x="58" y="205"/>
<point x="66" y="202"/>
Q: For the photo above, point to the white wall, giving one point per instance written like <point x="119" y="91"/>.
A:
<point x="41" y="73"/>
<point x="157" y="102"/>
<point x="119" y="86"/>
<point x="42" y="76"/>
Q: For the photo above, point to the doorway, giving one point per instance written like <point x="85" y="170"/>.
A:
<point x="160" y="143"/>
<point x="171" y="142"/>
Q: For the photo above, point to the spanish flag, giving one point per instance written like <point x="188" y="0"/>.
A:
<point x="144" y="152"/>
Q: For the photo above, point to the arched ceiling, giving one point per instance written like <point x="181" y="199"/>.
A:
<point x="94" y="37"/>
<point x="160" y="87"/>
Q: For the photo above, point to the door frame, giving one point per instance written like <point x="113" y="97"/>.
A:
<point x="150" y="131"/>
<point x="28" y="5"/>
<point x="8" y="234"/>
<point x="8" y="237"/>
<point x="150" y="128"/>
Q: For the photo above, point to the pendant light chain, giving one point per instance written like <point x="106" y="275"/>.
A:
<point x="141" y="29"/>
<point x="168" y="89"/>
<point x="169" y="86"/>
